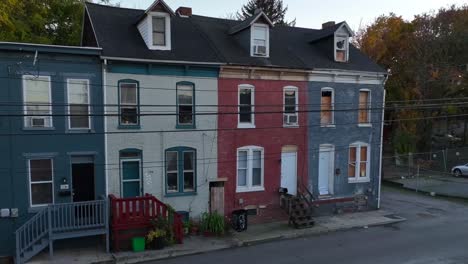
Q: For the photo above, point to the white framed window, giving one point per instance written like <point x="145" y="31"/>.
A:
<point x="327" y="107"/>
<point x="260" y="40"/>
<point x="250" y="169"/>
<point x="79" y="112"/>
<point x="364" y="118"/>
<point x="160" y="30"/>
<point x="246" y="106"/>
<point x="41" y="182"/>
<point x="341" y="48"/>
<point x="291" y="106"/>
<point x="37" y="98"/>
<point x="359" y="162"/>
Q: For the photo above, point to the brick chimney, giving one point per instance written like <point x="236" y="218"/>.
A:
<point x="184" y="11"/>
<point x="328" y="24"/>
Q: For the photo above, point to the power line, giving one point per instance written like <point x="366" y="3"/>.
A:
<point x="136" y="131"/>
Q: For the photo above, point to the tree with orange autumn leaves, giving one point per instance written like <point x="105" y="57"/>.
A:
<point x="427" y="59"/>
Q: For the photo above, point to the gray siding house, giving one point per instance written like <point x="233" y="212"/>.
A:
<point x="163" y="94"/>
<point x="51" y="131"/>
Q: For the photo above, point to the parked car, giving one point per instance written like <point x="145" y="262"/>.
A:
<point x="461" y="170"/>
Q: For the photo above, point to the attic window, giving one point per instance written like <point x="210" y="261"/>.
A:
<point x="159" y="31"/>
<point x="260" y="40"/>
<point x="341" y="48"/>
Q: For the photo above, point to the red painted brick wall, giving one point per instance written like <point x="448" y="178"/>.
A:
<point x="268" y="98"/>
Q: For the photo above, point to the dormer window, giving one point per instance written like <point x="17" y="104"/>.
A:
<point x="341" y="48"/>
<point x="159" y="31"/>
<point x="155" y="26"/>
<point x="260" y="40"/>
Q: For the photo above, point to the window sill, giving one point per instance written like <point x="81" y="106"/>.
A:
<point x="364" y="125"/>
<point x="363" y="180"/>
<point x="129" y="127"/>
<point x="245" y="125"/>
<point x="38" y="128"/>
<point x="186" y="127"/>
<point x="328" y="126"/>
<point x="169" y="195"/>
<point x="252" y="189"/>
<point x="291" y="126"/>
<point x="81" y="131"/>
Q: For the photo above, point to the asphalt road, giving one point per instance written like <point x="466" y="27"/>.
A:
<point x="436" y="232"/>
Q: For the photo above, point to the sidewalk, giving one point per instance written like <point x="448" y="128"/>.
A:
<point x="94" y="252"/>
<point x="276" y="231"/>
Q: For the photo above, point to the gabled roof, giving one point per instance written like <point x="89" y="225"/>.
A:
<point x="118" y="36"/>
<point x="208" y="40"/>
<point x="150" y="9"/>
<point x="250" y="21"/>
<point x="163" y="4"/>
<point x="330" y="31"/>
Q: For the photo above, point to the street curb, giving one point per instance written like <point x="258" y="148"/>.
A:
<point x="238" y="243"/>
<point x="317" y="233"/>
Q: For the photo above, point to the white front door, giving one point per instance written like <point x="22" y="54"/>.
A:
<point x="326" y="164"/>
<point x="289" y="172"/>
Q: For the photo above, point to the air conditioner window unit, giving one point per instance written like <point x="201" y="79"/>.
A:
<point x="290" y="119"/>
<point x="260" y="50"/>
<point x="38" y="121"/>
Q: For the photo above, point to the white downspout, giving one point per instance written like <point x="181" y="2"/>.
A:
<point x="104" y="89"/>
<point x="381" y="143"/>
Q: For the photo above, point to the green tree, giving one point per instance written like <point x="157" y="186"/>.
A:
<point x="274" y="9"/>
<point x="42" y="21"/>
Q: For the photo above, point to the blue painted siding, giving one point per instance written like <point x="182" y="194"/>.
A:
<point x="164" y="70"/>
<point x="346" y="132"/>
<point x="17" y="144"/>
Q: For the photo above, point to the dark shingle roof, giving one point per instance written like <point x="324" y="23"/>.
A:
<point x="207" y="39"/>
<point x="241" y="25"/>
<point x="118" y="36"/>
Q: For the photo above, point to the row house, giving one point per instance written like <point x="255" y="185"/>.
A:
<point x="251" y="108"/>
<point x="206" y="114"/>
<point x="161" y="86"/>
<point x="51" y="131"/>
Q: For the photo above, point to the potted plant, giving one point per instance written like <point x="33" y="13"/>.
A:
<point x="186" y="227"/>
<point x="194" y="228"/>
<point x="156" y="238"/>
<point x="212" y="224"/>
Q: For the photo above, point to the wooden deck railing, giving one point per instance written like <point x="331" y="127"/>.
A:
<point x="136" y="214"/>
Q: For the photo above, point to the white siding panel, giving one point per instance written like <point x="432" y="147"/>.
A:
<point x="144" y="30"/>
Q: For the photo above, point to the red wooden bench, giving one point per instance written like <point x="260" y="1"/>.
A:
<point x="133" y="216"/>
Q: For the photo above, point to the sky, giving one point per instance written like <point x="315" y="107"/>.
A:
<point x="312" y="13"/>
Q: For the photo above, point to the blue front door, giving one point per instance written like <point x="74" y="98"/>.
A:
<point x="131" y="180"/>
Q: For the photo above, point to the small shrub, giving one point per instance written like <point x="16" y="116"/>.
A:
<point x="213" y="223"/>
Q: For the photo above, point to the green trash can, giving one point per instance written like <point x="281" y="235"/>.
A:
<point x="138" y="244"/>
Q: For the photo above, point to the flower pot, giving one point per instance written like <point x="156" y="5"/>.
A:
<point x="194" y="231"/>
<point x="159" y="243"/>
<point x="208" y="234"/>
